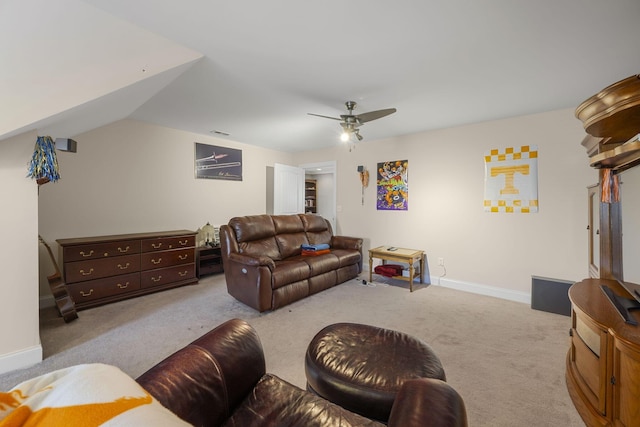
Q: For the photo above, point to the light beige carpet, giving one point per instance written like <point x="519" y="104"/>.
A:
<point x="505" y="359"/>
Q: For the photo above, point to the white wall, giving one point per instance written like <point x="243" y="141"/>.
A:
<point x="132" y="176"/>
<point x="19" y="325"/>
<point x="446" y="188"/>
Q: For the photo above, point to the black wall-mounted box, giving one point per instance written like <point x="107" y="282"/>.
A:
<point x="551" y="295"/>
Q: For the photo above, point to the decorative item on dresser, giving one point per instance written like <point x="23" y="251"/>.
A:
<point x="105" y="269"/>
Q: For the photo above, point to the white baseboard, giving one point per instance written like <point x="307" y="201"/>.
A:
<point x="21" y="359"/>
<point x="475" y="288"/>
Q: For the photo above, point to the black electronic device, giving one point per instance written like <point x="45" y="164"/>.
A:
<point x="624" y="305"/>
<point x="66" y="144"/>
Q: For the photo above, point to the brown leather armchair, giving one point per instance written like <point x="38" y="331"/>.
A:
<point x="220" y="380"/>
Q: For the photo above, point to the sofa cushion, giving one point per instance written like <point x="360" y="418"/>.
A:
<point x="314" y="223"/>
<point x="322" y="263"/>
<point x="285" y="224"/>
<point x="252" y="227"/>
<point x="275" y="402"/>
<point x="317" y="229"/>
<point x="89" y="394"/>
<point x="290" y="234"/>
<point x="290" y="293"/>
<point x="289" y="244"/>
<point x="261" y="248"/>
<point x="346" y="256"/>
<point x="255" y="235"/>
<point x="289" y="271"/>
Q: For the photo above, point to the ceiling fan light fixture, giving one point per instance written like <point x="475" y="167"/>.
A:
<point x="350" y="122"/>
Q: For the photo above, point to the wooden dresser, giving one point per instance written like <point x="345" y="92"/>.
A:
<point x="105" y="269"/>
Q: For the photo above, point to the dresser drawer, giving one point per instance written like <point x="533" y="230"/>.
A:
<point x="163" y="276"/>
<point x="153" y="260"/>
<point x="100" y="250"/>
<point x="81" y="271"/>
<point x="164" y="243"/>
<point x="95" y="289"/>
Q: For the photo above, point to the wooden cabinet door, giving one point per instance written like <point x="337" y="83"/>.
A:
<point x="626" y="385"/>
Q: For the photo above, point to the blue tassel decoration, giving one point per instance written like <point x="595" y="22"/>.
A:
<point x="44" y="163"/>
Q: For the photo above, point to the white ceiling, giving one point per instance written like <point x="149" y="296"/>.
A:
<point x="266" y="64"/>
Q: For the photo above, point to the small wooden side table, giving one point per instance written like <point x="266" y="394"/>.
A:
<point x="208" y="260"/>
<point x="390" y="253"/>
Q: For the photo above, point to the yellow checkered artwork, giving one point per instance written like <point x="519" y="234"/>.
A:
<point x="511" y="180"/>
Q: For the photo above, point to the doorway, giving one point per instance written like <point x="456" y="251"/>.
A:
<point x="324" y="173"/>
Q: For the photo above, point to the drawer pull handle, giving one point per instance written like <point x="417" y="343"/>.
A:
<point x="156" y="246"/>
<point x="86" y="273"/>
<point x="183" y="242"/>
<point x="156" y="279"/>
<point x="125" y="250"/>
<point x="156" y="262"/>
<point x="125" y="286"/>
<point x="86" y="294"/>
<point x="183" y="257"/>
<point x="182" y="273"/>
<point x="125" y="267"/>
<point x="86" y="255"/>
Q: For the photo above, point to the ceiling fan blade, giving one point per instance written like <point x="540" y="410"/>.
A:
<point x="326" y="117"/>
<point x="373" y="115"/>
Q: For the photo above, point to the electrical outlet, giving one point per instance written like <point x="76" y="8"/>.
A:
<point x="441" y="262"/>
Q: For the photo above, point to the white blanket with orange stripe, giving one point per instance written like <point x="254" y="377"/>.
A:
<point x="83" y="395"/>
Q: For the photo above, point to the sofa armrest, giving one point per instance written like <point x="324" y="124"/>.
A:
<point x="346" y="242"/>
<point x="205" y="381"/>
<point x="252" y="261"/>
<point x="427" y="402"/>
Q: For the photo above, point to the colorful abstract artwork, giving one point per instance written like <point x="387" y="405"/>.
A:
<point x="511" y="180"/>
<point x="393" y="186"/>
<point x="214" y="162"/>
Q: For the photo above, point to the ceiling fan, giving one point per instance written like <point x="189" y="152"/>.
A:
<point x="350" y="122"/>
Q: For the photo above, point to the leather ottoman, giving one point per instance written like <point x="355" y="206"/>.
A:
<point x="362" y="367"/>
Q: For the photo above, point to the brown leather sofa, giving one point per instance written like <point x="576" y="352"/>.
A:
<point x="220" y="380"/>
<point x="263" y="262"/>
